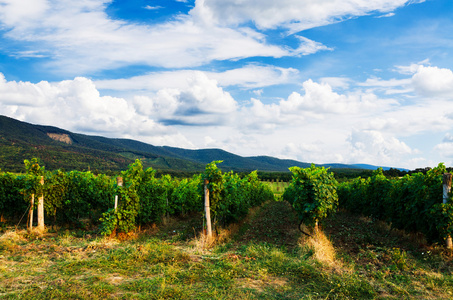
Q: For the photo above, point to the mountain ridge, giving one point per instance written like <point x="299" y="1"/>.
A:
<point x="62" y="149"/>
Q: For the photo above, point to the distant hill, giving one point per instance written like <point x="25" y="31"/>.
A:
<point x="61" y="149"/>
<point x="371" y="167"/>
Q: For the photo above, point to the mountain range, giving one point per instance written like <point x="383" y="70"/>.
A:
<point x="61" y="149"/>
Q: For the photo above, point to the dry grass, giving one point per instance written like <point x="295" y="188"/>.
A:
<point x="10" y="240"/>
<point x="323" y="250"/>
<point x="203" y="242"/>
<point x="260" y="285"/>
<point x="13" y="236"/>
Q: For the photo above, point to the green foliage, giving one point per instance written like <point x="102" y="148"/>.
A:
<point x="55" y="192"/>
<point x="413" y="202"/>
<point x="215" y="184"/>
<point x="231" y="196"/>
<point x="312" y="193"/>
<point x="32" y="167"/>
<point x="185" y="196"/>
<point x="34" y="172"/>
<point x="86" y="196"/>
<point x="76" y="197"/>
<point x="12" y="204"/>
<point x="153" y="198"/>
<point x="122" y="220"/>
<point x="443" y="213"/>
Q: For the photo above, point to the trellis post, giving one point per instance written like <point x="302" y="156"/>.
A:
<point x="446" y="191"/>
<point x="207" y="209"/>
<point x="119" y="182"/>
<point x="41" y="209"/>
<point x="30" y="213"/>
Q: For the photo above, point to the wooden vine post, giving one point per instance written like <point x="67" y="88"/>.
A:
<point x="446" y="191"/>
<point x="30" y="213"/>
<point x="119" y="182"/>
<point x="207" y="209"/>
<point x="41" y="210"/>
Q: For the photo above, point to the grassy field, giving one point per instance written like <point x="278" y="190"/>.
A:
<point x="265" y="257"/>
<point x="277" y="187"/>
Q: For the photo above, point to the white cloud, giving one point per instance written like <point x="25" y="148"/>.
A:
<point x="445" y="149"/>
<point x="209" y="142"/>
<point x="18" y="11"/>
<point x="448" y="138"/>
<point x="320" y="99"/>
<point x="201" y="102"/>
<point x="316" y="152"/>
<point x="412" y="68"/>
<point x="308" y="46"/>
<point x="378" y="82"/>
<point x="336" y="82"/>
<point x="318" y="105"/>
<point x="386" y="15"/>
<point x="433" y="81"/>
<point x="370" y="146"/>
<point x="249" y="76"/>
<point x="80" y="37"/>
<point x="255" y="76"/>
<point x="294" y="15"/>
<point x="76" y="105"/>
<point x="427" y="81"/>
<point x="149" y="7"/>
<point x="389" y="86"/>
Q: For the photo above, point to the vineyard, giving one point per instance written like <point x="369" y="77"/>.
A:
<point x="75" y="198"/>
<point x="413" y="203"/>
<point x="81" y="198"/>
<point x="362" y="237"/>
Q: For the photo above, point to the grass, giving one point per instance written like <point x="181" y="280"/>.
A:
<point x="277" y="187"/>
<point x="264" y="257"/>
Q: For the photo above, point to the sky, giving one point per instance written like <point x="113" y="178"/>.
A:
<point x="319" y="81"/>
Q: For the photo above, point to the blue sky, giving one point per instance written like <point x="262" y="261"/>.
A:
<point x="345" y="81"/>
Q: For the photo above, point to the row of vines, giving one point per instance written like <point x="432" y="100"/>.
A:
<point x="77" y="197"/>
<point x="413" y="202"/>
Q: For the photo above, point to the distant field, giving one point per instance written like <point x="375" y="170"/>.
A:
<point x="278" y="187"/>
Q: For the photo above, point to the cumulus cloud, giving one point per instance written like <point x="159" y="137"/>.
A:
<point x="320" y="99"/>
<point x="202" y="102"/>
<point x="336" y="82"/>
<point x="426" y="80"/>
<point x="433" y="81"/>
<point x="76" y="105"/>
<point x="448" y="138"/>
<point x="313" y="125"/>
<point x="311" y="152"/>
<point x="318" y="103"/>
<point x="368" y="146"/>
<point x="445" y="149"/>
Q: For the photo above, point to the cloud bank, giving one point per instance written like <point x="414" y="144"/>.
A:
<point x="317" y="123"/>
